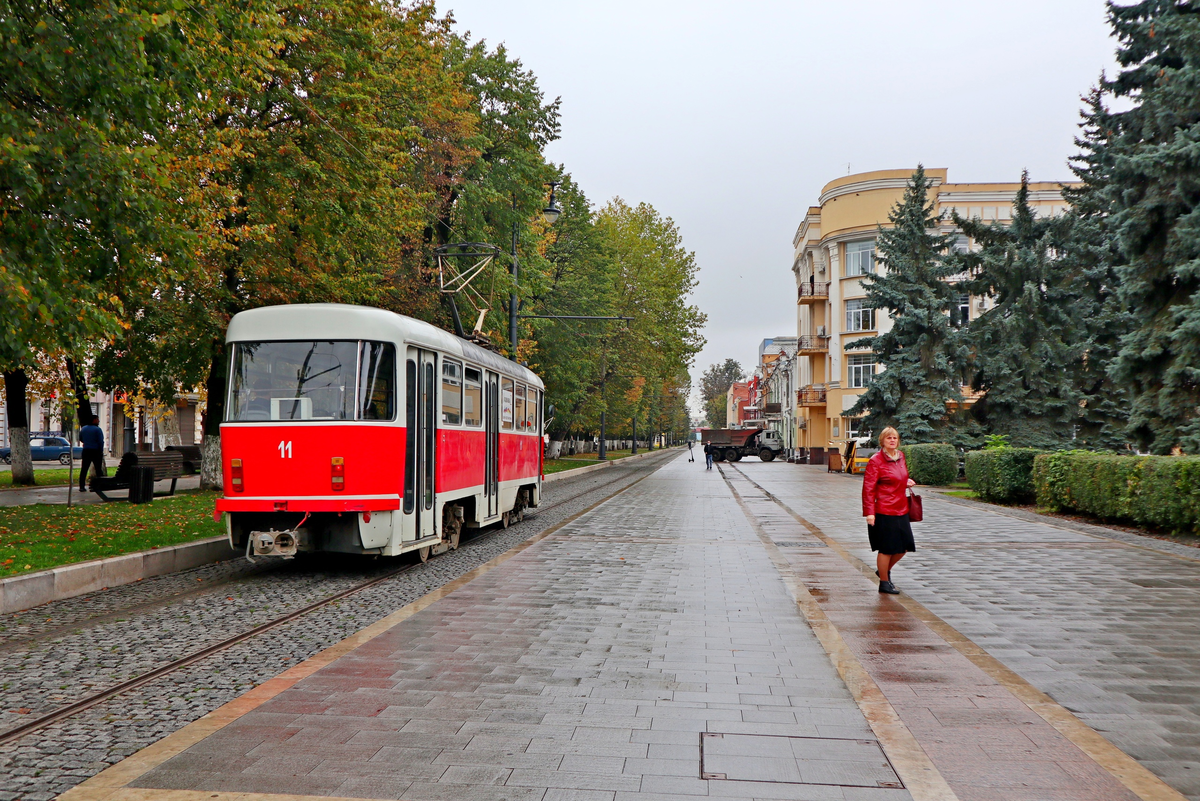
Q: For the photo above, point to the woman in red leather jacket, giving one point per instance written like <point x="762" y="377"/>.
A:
<point x="885" y="505"/>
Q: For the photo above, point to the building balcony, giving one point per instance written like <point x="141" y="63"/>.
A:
<point x="811" y="396"/>
<point x="808" y="292"/>
<point x="812" y="346"/>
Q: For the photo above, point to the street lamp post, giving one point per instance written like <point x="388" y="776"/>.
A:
<point x="550" y="215"/>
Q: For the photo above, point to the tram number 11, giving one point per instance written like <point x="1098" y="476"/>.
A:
<point x="285" y="449"/>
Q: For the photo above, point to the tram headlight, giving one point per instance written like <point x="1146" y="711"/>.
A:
<point x="339" y="473"/>
<point x="235" y="474"/>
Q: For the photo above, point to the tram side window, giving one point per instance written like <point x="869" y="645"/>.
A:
<point x="531" y="411"/>
<point x="506" y="404"/>
<point x="473" y="398"/>
<point x="377" y="381"/>
<point x="519" y="412"/>
<point x="452" y="393"/>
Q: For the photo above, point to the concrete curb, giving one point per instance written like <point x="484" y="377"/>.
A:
<point x="24" y="592"/>
<point x="593" y="467"/>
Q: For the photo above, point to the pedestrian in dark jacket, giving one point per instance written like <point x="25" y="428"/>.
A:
<point x="708" y="456"/>
<point x="91" y="437"/>
<point x="885" y="506"/>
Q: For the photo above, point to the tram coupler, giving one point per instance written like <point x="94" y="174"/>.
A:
<point x="273" y="543"/>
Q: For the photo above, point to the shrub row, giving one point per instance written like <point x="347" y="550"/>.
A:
<point x="1002" y="475"/>
<point x="934" y="463"/>
<point x="1160" y="491"/>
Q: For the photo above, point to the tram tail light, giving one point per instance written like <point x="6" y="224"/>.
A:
<point x="339" y="473"/>
<point x="235" y="470"/>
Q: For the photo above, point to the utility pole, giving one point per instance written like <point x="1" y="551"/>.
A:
<point x="512" y="298"/>
<point x="634" y="451"/>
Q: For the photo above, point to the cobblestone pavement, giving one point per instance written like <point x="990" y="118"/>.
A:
<point x="643" y="643"/>
<point x="1109" y="627"/>
<point x="58" y="652"/>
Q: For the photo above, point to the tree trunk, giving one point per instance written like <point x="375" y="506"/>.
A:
<point x="214" y="413"/>
<point x="83" y="397"/>
<point x="15" y="384"/>
<point x="168" y="429"/>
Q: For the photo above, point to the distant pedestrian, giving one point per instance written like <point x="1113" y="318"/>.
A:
<point x="691" y="457"/>
<point x="91" y="436"/>
<point x="708" y="454"/>
<point x="885" y="506"/>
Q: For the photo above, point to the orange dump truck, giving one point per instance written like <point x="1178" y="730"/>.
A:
<point x="731" y="444"/>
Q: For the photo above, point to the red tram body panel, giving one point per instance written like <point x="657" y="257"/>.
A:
<point x="358" y="430"/>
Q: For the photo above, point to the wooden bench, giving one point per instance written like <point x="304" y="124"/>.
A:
<point x="168" y="464"/>
<point x="191" y="457"/>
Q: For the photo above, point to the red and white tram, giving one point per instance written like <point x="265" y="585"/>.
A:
<point x="358" y="430"/>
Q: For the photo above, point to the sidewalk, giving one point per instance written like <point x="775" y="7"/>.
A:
<point x="688" y="638"/>
<point x="58" y="495"/>
<point x="587" y="667"/>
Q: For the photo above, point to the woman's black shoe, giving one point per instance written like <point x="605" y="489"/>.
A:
<point x="888" y="587"/>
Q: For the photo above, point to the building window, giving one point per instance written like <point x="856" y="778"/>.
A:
<point x="860" y="258"/>
<point x="859" y="316"/>
<point x="960" y="311"/>
<point x="961" y="244"/>
<point x="861" y="369"/>
<point x="855" y="428"/>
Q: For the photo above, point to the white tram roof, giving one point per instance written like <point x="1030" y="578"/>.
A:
<point x="319" y="321"/>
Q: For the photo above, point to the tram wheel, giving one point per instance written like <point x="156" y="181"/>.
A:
<point x="424" y="553"/>
<point x="451" y="527"/>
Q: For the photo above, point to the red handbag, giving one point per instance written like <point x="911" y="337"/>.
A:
<point x="915" y="509"/>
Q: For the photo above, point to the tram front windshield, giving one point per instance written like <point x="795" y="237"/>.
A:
<point x="298" y="381"/>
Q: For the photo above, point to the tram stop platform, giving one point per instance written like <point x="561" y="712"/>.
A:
<point x="687" y="638"/>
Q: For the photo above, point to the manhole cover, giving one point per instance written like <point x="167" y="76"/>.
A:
<point x="794" y="544"/>
<point x="795" y="760"/>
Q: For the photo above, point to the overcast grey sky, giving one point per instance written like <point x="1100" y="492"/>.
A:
<point x="730" y="117"/>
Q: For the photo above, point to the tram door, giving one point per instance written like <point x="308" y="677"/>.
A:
<point x="491" y="416"/>
<point x="420" y="411"/>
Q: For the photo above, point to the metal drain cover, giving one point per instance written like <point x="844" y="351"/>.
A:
<point x="795" y="760"/>
<point x="794" y="544"/>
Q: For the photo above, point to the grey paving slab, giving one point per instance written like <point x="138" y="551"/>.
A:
<point x="1107" y="626"/>
<point x="584" y="668"/>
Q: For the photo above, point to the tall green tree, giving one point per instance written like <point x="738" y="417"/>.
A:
<point x="1089" y="253"/>
<point x="1024" y="347"/>
<point x="923" y="354"/>
<point x="714" y="389"/>
<point x="1147" y="167"/>
<point x="87" y="93"/>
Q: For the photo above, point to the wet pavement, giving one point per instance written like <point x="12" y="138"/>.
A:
<point x="1106" y="626"/>
<point x="694" y="636"/>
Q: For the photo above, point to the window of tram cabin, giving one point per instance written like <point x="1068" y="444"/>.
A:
<point x="311" y="380"/>
<point x="452" y="393"/>
<point x="473" y="397"/>
<point x="531" y="411"/>
<point x="519" y="411"/>
<point x="506" y="404"/>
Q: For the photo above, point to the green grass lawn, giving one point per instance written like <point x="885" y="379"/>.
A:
<point x="966" y="493"/>
<point x="583" y="460"/>
<point x="44" y="535"/>
<point x="54" y="477"/>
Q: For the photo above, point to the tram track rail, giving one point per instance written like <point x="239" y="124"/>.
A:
<point x="94" y="699"/>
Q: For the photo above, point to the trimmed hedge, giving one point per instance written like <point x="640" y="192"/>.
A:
<point x="1002" y="475"/>
<point x="1159" y="491"/>
<point x="935" y="464"/>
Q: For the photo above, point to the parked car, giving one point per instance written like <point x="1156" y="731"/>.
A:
<point x="46" y="449"/>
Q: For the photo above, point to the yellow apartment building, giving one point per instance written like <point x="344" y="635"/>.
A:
<point x="834" y="248"/>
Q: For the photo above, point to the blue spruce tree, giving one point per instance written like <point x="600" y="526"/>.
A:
<point x="922" y="355"/>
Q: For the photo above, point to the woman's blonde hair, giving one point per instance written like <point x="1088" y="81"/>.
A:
<point x="887" y="432"/>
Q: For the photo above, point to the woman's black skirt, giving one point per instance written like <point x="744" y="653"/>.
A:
<point x="891" y="534"/>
